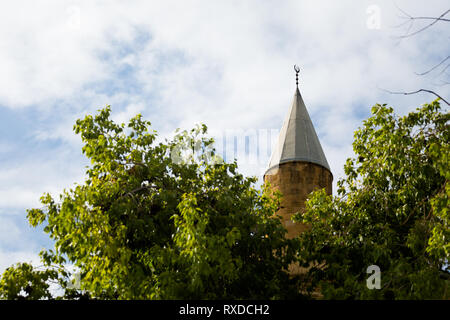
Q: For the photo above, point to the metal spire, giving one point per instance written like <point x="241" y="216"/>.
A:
<point x="298" y="140"/>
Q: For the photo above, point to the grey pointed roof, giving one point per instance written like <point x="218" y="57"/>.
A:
<point x="298" y="140"/>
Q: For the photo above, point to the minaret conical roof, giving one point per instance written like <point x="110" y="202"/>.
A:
<point x="298" y="140"/>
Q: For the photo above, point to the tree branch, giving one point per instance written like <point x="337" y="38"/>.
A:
<point x="443" y="83"/>
<point x="436" y="66"/>
<point x="411" y="19"/>
<point x="430" y="18"/>
<point x="417" y="91"/>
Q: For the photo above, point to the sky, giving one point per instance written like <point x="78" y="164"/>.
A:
<point x="226" y="64"/>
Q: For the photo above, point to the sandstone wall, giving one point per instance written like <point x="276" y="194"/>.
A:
<point x="296" y="180"/>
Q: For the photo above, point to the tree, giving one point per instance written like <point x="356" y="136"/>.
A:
<point x="441" y="67"/>
<point x="391" y="210"/>
<point x="158" y="221"/>
<point x="24" y="282"/>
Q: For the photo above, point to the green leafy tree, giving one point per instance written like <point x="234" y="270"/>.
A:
<point x="22" y="281"/>
<point x="391" y="210"/>
<point x="158" y="221"/>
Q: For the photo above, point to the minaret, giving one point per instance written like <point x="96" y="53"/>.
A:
<point x="298" y="165"/>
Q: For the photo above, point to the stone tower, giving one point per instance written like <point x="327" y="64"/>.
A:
<point x="298" y="165"/>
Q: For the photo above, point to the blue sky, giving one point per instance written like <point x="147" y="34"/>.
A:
<point x="228" y="64"/>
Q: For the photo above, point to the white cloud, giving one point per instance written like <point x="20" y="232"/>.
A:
<point x="7" y="259"/>
<point x="22" y="183"/>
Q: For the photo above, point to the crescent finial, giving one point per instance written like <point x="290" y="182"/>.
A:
<point x="297" y="70"/>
